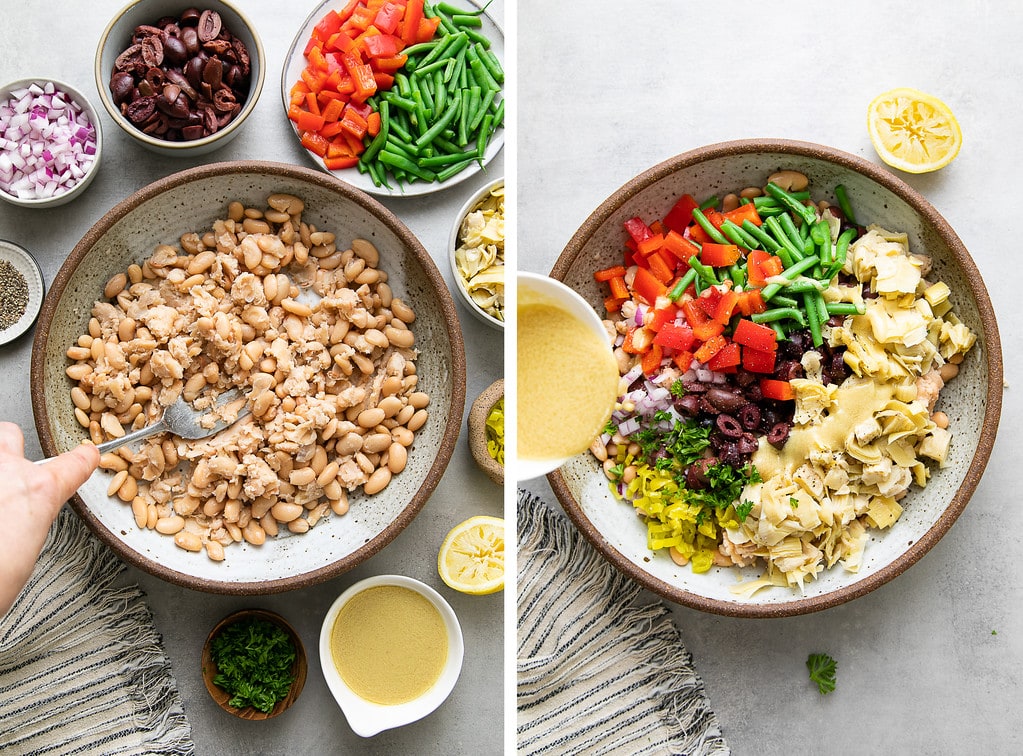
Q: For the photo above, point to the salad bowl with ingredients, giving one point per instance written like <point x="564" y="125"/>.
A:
<point x="810" y="378"/>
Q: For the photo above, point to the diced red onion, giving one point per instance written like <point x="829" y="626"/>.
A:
<point x="49" y="144"/>
<point x="628" y="427"/>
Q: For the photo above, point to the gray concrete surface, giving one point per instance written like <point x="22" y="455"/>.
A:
<point x="931" y="662"/>
<point x="58" y="39"/>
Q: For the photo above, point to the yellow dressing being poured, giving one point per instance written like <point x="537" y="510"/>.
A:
<point x="567" y="381"/>
<point x="389" y="644"/>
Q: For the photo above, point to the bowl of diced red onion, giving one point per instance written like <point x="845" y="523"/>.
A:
<point x="50" y="142"/>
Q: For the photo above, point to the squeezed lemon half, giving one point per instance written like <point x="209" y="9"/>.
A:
<point x="913" y="131"/>
<point x="471" y="559"/>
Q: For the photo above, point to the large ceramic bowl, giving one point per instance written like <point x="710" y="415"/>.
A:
<point x="191" y="200"/>
<point x="972" y="401"/>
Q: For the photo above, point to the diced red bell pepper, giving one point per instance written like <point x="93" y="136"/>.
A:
<point x="760" y="265"/>
<point x="607" y="274"/>
<point x="680" y="247"/>
<point x="743" y="213"/>
<point x="613" y="304"/>
<point x="751" y="302"/>
<point x="327" y="26"/>
<point x="719" y="255"/>
<point x="698" y="235"/>
<point x="675" y="336"/>
<point x="728" y="356"/>
<point x="650" y="244"/>
<point x="778" y="390"/>
<point x="661" y="317"/>
<point x="709" y="348"/>
<point x="683" y="360"/>
<point x="381" y="45"/>
<point x="681" y="214"/>
<point x="410" y="21"/>
<point x="619" y="290"/>
<point x="637" y="229"/>
<point x="660" y="269"/>
<point x="314" y="143"/>
<point x="388" y="17"/>
<point x="703" y="327"/>
<point x="755" y="335"/>
<point x="757" y="361"/>
<point x="726" y="307"/>
<point x="651" y="360"/>
<point x="709" y="300"/>
<point x="647" y="286"/>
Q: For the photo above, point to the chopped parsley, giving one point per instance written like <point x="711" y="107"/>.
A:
<point x="724" y="484"/>
<point x="793" y="502"/>
<point x="254" y="659"/>
<point x="743" y="509"/>
<point x="677" y="388"/>
<point x="822" y="671"/>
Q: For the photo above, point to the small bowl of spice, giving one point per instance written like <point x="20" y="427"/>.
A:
<point x="50" y="143"/>
<point x="180" y="81"/>
<point x="21" y="291"/>
<point x="486" y="431"/>
<point x="476" y="254"/>
<point x="254" y="664"/>
<point x="390" y="651"/>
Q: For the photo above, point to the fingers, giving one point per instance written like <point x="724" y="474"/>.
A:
<point x="73" y="469"/>
<point x="12" y="440"/>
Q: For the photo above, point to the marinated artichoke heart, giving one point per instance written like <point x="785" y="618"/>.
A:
<point x="480" y="256"/>
<point x="855" y="449"/>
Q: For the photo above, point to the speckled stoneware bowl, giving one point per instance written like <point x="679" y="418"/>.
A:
<point x="116" y="37"/>
<point x="972" y="401"/>
<point x="477" y="425"/>
<point x="191" y="200"/>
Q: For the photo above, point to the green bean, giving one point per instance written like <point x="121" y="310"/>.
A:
<point x="779" y="330"/>
<point x="448" y="158"/>
<point x="492" y="63"/>
<point x="806" y="213"/>
<point x="843" y="204"/>
<point x="842" y="246"/>
<point x="737" y="235"/>
<point x="448" y="47"/>
<point x="381" y="138"/>
<point x="430" y="68"/>
<point x="755" y="231"/>
<point x="421" y="47"/>
<point x="451" y="10"/>
<point x="405" y="103"/>
<point x="780" y="300"/>
<point x="484" y="107"/>
<point x="797" y="247"/>
<point x="789" y="273"/>
<point x="683" y="283"/>
<point x="499" y="114"/>
<point x="785" y="252"/>
<point x="810" y="304"/>
<point x="843" y="308"/>
<point x="453" y="108"/>
<point x="821" y="306"/>
<point x="476" y="37"/>
<point x="397" y="160"/>
<point x="480" y="72"/>
<point x="451" y="170"/>
<point x="707" y="226"/>
<point x="779" y="313"/>
<point x="804" y="285"/>
<point x="711" y="201"/>
<point x="483" y="137"/>
<point x="463" y="19"/>
<point x="404" y="86"/>
<point x="824" y="233"/>
<point x="704" y="272"/>
<point x="737" y="274"/>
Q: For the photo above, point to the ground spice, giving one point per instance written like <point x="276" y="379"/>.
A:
<point x="13" y="295"/>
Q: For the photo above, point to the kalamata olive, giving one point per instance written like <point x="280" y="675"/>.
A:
<point x="174" y="49"/>
<point x="151" y="49"/>
<point x="749" y="416"/>
<point x="189" y="17"/>
<point x="696" y="473"/>
<point x="786" y="370"/>
<point x="745" y="378"/>
<point x="730" y="455"/>
<point x="724" y="400"/>
<point x="688" y="404"/>
<point x="213" y="72"/>
<point x="747" y="444"/>
<point x="121" y="86"/>
<point x="188" y="133"/>
<point x="778" y="435"/>
<point x="193" y="72"/>
<point x="209" y="25"/>
<point x="729" y="426"/>
<point x="190" y="38"/>
<point x="708" y="408"/>
<point x="693" y="387"/>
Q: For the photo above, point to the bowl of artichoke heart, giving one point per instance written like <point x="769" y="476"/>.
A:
<point x="476" y="254"/>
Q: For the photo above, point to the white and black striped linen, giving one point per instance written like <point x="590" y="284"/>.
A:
<point x="598" y="674"/>
<point x="82" y="670"/>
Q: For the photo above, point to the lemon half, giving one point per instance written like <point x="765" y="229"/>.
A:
<point x="471" y="559"/>
<point x="913" y="131"/>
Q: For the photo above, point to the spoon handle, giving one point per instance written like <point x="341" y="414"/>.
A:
<point x="127" y="438"/>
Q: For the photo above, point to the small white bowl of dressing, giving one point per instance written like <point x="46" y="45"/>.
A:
<point x="567" y="376"/>
<point x="391" y="651"/>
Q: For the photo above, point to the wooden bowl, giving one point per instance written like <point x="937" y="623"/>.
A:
<point x="298" y="669"/>
<point x="477" y="422"/>
<point x="973" y="400"/>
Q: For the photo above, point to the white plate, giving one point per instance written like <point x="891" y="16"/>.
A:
<point x="295" y="62"/>
<point x="25" y="264"/>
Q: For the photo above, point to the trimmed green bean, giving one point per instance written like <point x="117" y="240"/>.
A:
<point x="797" y="247"/>
<point x="756" y="232"/>
<point x="704" y="272"/>
<point x="737" y="235"/>
<point x="785" y="251"/>
<point x="789" y="273"/>
<point x="711" y="201"/>
<point x="463" y="19"/>
<point x="738" y="275"/>
<point x="843" y="308"/>
<point x="446" y="173"/>
<point x="400" y="161"/>
<point x="453" y="108"/>
<point x="843" y="204"/>
<point x="683" y="283"/>
<point x="806" y="213"/>
<point x="381" y="138"/>
<point x="779" y="313"/>
<point x="781" y="300"/>
<point x="709" y="227"/>
<point x="483" y="137"/>
<point x="484" y="107"/>
<point x="810" y="304"/>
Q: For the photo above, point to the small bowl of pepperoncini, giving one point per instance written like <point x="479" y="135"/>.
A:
<point x="486" y="431"/>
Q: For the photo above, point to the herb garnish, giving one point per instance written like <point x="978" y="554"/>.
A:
<point x="822" y="671"/>
<point x="254" y="659"/>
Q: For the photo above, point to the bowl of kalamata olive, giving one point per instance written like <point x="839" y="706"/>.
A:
<point x="180" y="80"/>
<point x="720" y="483"/>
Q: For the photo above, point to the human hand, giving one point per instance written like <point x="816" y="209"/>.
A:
<point x="31" y="495"/>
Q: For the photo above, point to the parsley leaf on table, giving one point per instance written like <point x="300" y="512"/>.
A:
<point x="822" y="671"/>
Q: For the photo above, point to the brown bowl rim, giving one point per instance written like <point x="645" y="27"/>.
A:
<point x="299" y="668"/>
<point x="454" y="333"/>
<point x="993" y="400"/>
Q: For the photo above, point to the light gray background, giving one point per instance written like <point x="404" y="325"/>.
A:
<point x="58" y="39"/>
<point x="930" y="663"/>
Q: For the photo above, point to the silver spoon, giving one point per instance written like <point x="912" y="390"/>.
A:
<point x="181" y="419"/>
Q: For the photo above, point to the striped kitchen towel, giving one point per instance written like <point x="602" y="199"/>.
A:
<point x="82" y="670"/>
<point x="597" y="672"/>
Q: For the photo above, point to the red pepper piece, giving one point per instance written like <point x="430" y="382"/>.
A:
<point x="381" y="45"/>
<point x="683" y="360"/>
<point x="778" y="390"/>
<point x="681" y="214"/>
<point x="757" y="361"/>
<point x="608" y="273"/>
<point x="680" y="247"/>
<point x="675" y="336"/>
<point x="719" y="255"/>
<point x="660" y="269"/>
<point x="703" y="327"/>
<point x="726" y="307"/>
<point x="388" y="17"/>
<point x="637" y="229"/>
<point x="647" y="286"/>
<point x="728" y="356"/>
<point x="709" y="348"/>
<point x="662" y="317"/>
<point x="651" y="360"/>
<point x="755" y="335"/>
<point x="743" y="213"/>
